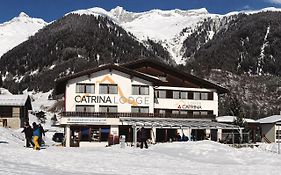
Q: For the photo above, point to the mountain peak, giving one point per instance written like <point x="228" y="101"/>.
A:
<point x="23" y="15"/>
<point x="118" y="9"/>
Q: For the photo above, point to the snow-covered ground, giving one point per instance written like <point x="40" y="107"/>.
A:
<point x="203" y="157"/>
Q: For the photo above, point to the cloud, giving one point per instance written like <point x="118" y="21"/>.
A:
<point x="274" y="1"/>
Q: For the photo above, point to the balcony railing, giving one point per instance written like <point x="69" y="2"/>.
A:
<point x="134" y="115"/>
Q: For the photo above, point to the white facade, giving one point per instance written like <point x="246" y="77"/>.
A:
<point x="188" y="104"/>
<point x="123" y="100"/>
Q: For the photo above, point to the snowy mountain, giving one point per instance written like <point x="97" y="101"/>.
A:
<point x="17" y="30"/>
<point x="163" y="26"/>
<point x="170" y="28"/>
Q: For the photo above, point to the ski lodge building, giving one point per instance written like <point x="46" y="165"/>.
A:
<point x="111" y="100"/>
<point x="14" y="110"/>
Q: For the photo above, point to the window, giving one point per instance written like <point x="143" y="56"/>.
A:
<point x="140" y="90"/>
<point x="110" y="109"/>
<point x="108" y="89"/>
<point x="210" y="96"/>
<point x="204" y="96"/>
<point x="85" y="88"/>
<point x="176" y="94"/>
<point x="196" y="95"/>
<point x="5" y="111"/>
<point x="184" y="95"/>
<point x="196" y="112"/>
<point x="175" y="112"/>
<point x="160" y="93"/>
<point x="184" y="112"/>
<point x="278" y="133"/>
<point x="204" y="112"/>
<point x="85" y="108"/>
<point x="138" y="109"/>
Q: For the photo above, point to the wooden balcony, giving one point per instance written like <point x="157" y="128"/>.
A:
<point x="133" y="115"/>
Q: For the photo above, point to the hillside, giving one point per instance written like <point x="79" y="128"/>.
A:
<point x="243" y="44"/>
<point x="71" y="44"/>
<point x="242" y="55"/>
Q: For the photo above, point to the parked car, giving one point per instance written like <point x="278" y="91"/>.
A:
<point x="58" y="137"/>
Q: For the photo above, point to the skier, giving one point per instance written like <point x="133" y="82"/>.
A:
<point x="28" y="134"/>
<point x="143" y="138"/>
<point x="36" y="135"/>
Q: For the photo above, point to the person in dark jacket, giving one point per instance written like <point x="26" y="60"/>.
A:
<point x="36" y="134"/>
<point x="42" y="133"/>
<point x="28" y="135"/>
<point x="143" y="138"/>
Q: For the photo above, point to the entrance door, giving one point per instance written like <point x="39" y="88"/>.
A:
<point x="198" y="134"/>
<point x="75" y="137"/>
<point x="214" y="134"/>
<point x="165" y="135"/>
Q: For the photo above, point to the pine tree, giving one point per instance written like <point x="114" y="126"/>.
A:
<point x="235" y="109"/>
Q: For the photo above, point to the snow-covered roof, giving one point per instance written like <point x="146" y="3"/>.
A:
<point x="270" y="119"/>
<point x="226" y="119"/>
<point x="230" y="119"/>
<point x="4" y="91"/>
<point x="13" y="100"/>
<point x="177" y="123"/>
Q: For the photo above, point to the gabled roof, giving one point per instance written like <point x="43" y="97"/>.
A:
<point x="270" y="119"/>
<point x="61" y="82"/>
<point x="174" y="71"/>
<point x="13" y="100"/>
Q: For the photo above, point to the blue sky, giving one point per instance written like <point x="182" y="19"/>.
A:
<point x="53" y="9"/>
